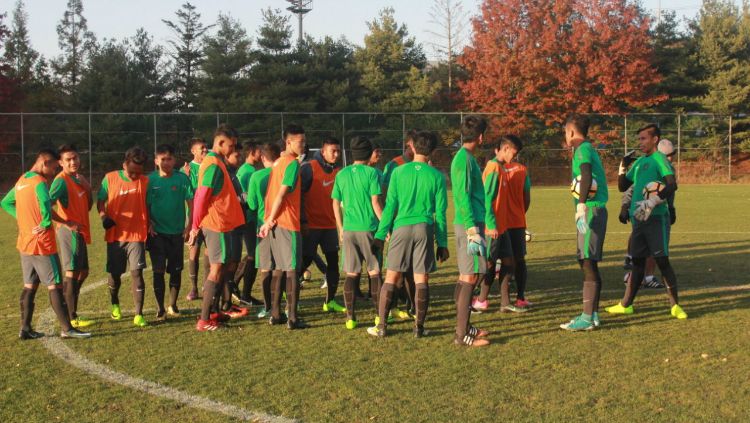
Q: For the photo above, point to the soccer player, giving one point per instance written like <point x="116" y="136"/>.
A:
<point x="590" y="219"/>
<point x="282" y="225"/>
<point x="216" y="213"/>
<point x="247" y="270"/>
<point x="497" y="198"/>
<point x="519" y="200"/>
<point x="121" y="204"/>
<point x="168" y="194"/>
<point x="257" y="188"/>
<point x="29" y="203"/>
<point x="471" y="249"/>
<point x="358" y="186"/>
<point x="650" y="220"/>
<point x="199" y="150"/>
<point x="318" y="221"/>
<point x="377" y="154"/>
<point x="415" y="214"/>
<point x="71" y="192"/>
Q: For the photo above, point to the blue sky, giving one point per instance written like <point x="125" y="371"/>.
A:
<point x="120" y="18"/>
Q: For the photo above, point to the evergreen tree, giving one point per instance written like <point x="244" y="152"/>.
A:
<point x="76" y="43"/>
<point x="18" y="51"/>
<point x="148" y="63"/>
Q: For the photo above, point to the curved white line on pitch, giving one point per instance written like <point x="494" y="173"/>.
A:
<point x="57" y="347"/>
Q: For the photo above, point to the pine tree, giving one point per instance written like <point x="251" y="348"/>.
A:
<point x="76" y="43"/>
<point x="18" y="51"/>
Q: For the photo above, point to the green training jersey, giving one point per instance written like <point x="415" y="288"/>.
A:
<point x="166" y="199"/>
<point x="651" y="168"/>
<point x="586" y="153"/>
<point x="354" y="187"/>
<point x="417" y="194"/>
<point x="243" y="176"/>
<point x="256" y="195"/>
<point x="468" y="190"/>
<point x="192" y="174"/>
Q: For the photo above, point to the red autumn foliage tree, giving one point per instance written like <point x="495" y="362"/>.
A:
<point x="549" y="58"/>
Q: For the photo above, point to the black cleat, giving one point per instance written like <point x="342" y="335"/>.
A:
<point x="280" y="321"/>
<point x="30" y="334"/>
<point x="296" y="324"/>
<point x="75" y="333"/>
<point x="419" y="332"/>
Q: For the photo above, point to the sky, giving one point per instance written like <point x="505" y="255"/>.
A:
<point x="121" y="18"/>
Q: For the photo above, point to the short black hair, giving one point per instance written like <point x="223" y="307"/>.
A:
<point x="49" y="152"/>
<point x="293" y="129"/>
<point x="654" y="128"/>
<point x="425" y="142"/>
<point x="250" y="146"/>
<point x="331" y="141"/>
<point x="66" y="148"/>
<point x="196" y="140"/>
<point x="580" y="122"/>
<point x="472" y="127"/>
<point x="270" y="150"/>
<point x="165" y="149"/>
<point x="508" y="139"/>
<point x="136" y="155"/>
<point x="226" y="130"/>
<point x="411" y="135"/>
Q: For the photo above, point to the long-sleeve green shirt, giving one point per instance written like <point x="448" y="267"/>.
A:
<point x="468" y="190"/>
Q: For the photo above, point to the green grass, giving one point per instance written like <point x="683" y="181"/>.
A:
<point x="645" y="367"/>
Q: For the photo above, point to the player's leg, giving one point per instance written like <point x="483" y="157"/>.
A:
<point x="79" y="277"/>
<point x="659" y="244"/>
<point x="157" y="247"/>
<point x="116" y="265"/>
<point x="650" y="280"/>
<point x="470" y="268"/>
<point x="48" y="269"/>
<point x="518" y="245"/>
<point x="30" y="285"/>
<point x="194" y="255"/>
<point x="422" y="263"/>
<point x="216" y="249"/>
<point x="136" y="252"/>
<point x="399" y="260"/>
<point x="67" y="242"/>
<point x="251" y="271"/>
<point x="352" y="256"/>
<point x="174" y="268"/>
<point x="329" y="244"/>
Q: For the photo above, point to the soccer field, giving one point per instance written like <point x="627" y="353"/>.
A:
<point x="644" y="367"/>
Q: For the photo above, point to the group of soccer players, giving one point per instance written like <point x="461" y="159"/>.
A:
<point x="282" y="213"/>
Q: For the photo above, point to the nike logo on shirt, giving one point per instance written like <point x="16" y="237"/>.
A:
<point x="82" y="193"/>
<point x="124" y="192"/>
<point x="327" y="183"/>
<point x="20" y="187"/>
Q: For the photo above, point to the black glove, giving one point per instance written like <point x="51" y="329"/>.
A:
<point x="107" y="222"/>
<point x="629" y="158"/>
<point x="672" y="215"/>
<point x="442" y="254"/>
<point x="377" y="246"/>
<point x="624" y="215"/>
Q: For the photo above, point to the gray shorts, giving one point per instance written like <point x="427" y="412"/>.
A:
<point x="263" y="258"/>
<point x="591" y="244"/>
<point x="285" y="249"/>
<point x="357" y="247"/>
<point x="499" y="248"/>
<point x="412" y="247"/>
<point x="220" y="245"/>
<point x="250" y="238"/>
<point x="468" y="265"/>
<point x="167" y="252"/>
<point x="517" y="241"/>
<point x="122" y="255"/>
<point x="328" y="239"/>
<point x="41" y="269"/>
<point x="650" y="238"/>
<point x="73" y="250"/>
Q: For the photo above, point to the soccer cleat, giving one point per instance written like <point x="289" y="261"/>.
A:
<point x="280" y="321"/>
<point x="333" y="306"/>
<point x="116" y="314"/>
<point x="263" y="313"/>
<point x="374" y="331"/>
<point x="390" y="320"/>
<point x="678" y="312"/>
<point x="480" y="306"/>
<point x="420" y="332"/>
<point x="74" y="333"/>
<point x="192" y="295"/>
<point x="652" y="282"/>
<point x="139" y="321"/>
<point x="296" y="324"/>
<point x="477" y="333"/>
<point x="578" y="324"/>
<point x="470" y="341"/>
<point x="628" y="264"/>
<point x="30" y="334"/>
<point x="401" y="314"/>
<point x="513" y="309"/>
<point x="206" y="325"/>
<point x="523" y="303"/>
<point x="351" y="324"/>
<point x="236" y="312"/>
<point x="161" y="316"/>
<point x="619" y="309"/>
<point x="173" y="311"/>
<point x="220" y="317"/>
<point x="81" y="322"/>
<point x="595" y="319"/>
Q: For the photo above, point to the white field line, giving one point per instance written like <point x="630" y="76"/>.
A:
<point x="672" y="233"/>
<point x="57" y="347"/>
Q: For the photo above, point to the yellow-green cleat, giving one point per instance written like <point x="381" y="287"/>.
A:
<point x="401" y="314"/>
<point x="116" y="314"/>
<point x="351" y="324"/>
<point x="81" y="322"/>
<point x="678" y="312"/>
<point x="334" y="306"/>
<point x="619" y="309"/>
<point x="140" y="321"/>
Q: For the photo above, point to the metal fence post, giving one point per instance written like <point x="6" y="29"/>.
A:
<point x="282" y="125"/>
<point x="679" y="141"/>
<point x="154" y="133"/>
<point x="91" y="154"/>
<point x="23" y="149"/>
<point x="729" y="165"/>
<point x="461" y="117"/>
<point x="343" y="135"/>
<point x="217" y="119"/>
<point x="625" y="133"/>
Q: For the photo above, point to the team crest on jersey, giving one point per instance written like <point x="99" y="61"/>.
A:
<point x="418" y="167"/>
<point x="174" y="188"/>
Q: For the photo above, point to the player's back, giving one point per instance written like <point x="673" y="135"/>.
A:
<point x="416" y="187"/>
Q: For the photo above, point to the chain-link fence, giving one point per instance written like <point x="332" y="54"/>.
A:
<point x="705" y="148"/>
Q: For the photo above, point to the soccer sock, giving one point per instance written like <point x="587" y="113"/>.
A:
<point x="58" y="305"/>
<point x="375" y="285"/>
<point x="276" y="293"/>
<point x="504" y="289"/>
<point x="292" y="294"/>
<point x="226" y="292"/>
<point x="636" y="276"/>
<point x="159" y="290"/>
<point x="411" y="291"/>
<point x="76" y="293"/>
<point x="456" y="291"/>
<point x="487" y="280"/>
<point x="175" y="282"/>
<point x="422" y="300"/>
<point x="27" y="307"/>
<point x="249" y="279"/>
<point x="69" y="293"/>
<point x="463" y="308"/>
<point x="589" y="295"/>
<point x="209" y="290"/>
<point x="138" y="290"/>
<point x="332" y="274"/>
<point x="193" y="268"/>
<point x="598" y="293"/>
<point x="239" y="272"/>
<point x="670" y="279"/>
<point x="114" y="282"/>
<point x="265" y="283"/>
<point x="386" y="297"/>
<point x="521" y="273"/>
<point x="349" y="283"/>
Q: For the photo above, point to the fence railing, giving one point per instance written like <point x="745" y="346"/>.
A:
<point x="704" y="141"/>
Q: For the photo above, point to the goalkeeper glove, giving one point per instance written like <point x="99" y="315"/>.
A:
<point x="626" y="161"/>
<point x="476" y="246"/>
<point x="644" y="208"/>
<point x="107" y="222"/>
<point x="581" y="222"/>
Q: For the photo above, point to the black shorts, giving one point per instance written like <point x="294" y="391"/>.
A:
<point x="650" y="238"/>
<point x="250" y="237"/>
<point x="166" y="252"/>
<point x="518" y="241"/>
<point x="499" y="248"/>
